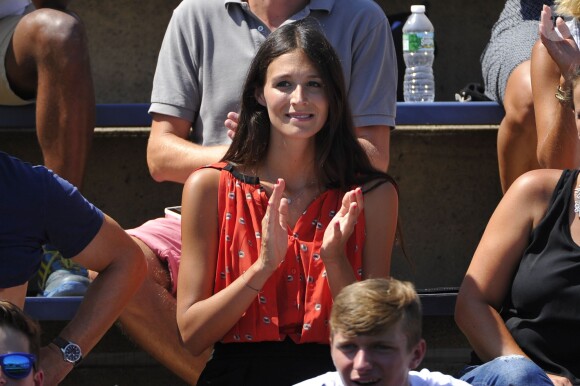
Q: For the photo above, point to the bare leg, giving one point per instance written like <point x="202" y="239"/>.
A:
<point x="48" y="58"/>
<point x="150" y="320"/>
<point x="516" y="139"/>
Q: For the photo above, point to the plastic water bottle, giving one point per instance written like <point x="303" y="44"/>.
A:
<point x="418" y="53"/>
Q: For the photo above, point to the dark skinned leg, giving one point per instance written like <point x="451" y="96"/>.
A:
<point x="48" y="59"/>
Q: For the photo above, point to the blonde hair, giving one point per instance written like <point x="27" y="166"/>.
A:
<point x="568" y="8"/>
<point x="372" y="306"/>
<point x="575" y="83"/>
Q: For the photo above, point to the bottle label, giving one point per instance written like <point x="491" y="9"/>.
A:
<point x="418" y="41"/>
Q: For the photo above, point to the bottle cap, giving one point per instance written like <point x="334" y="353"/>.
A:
<point x="418" y="8"/>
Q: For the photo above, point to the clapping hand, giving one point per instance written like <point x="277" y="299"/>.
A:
<point x="275" y="229"/>
<point x="342" y="225"/>
<point x="562" y="49"/>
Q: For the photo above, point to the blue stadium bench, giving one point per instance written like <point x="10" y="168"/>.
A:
<point x="438" y="301"/>
<point x="449" y="113"/>
<point x="107" y="115"/>
<point x="58" y="308"/>
<point x="435" y="302"/>
<point x="135" y="114"/>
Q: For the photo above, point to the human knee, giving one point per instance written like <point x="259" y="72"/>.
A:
<point x="54" y="32"/>
<point x="157" y="271"/>
<point x="518" y="99"/>
<point x="519" y="110"/>
<point x="521" y="117"/>
<point x="517" y="369"/>
<point x="513" y="370"/>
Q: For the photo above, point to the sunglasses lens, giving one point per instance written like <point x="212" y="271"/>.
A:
<point x="16" y="366"/>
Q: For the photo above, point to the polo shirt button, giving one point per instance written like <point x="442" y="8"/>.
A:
<point x="260" y="28"/>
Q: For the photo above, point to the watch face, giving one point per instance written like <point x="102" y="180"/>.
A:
<point x="72" y="352"/>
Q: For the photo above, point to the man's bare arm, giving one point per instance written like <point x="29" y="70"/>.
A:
<point x="170" y="154"/>
<point x="122" y="267"/>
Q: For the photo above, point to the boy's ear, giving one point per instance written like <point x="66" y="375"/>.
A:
<point x="418" y="353"/>
<point x="39" y="378"/>
<point x="259" y="94"/>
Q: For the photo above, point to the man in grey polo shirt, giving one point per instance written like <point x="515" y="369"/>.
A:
<point x="201" y="68"/>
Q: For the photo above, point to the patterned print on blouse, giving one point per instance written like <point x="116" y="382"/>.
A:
<point x="296" y="299"/>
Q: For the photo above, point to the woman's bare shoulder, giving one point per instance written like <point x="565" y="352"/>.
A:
<point x="204" y="177"/>
<point x="380" y="186"/>
<point x="538" y="183"/>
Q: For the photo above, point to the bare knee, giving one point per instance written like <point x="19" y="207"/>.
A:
<point x="52" y="35"/>
<point x="518" y="101"/>
<point x="157" y="271"/>
<point x="520" y="116"/>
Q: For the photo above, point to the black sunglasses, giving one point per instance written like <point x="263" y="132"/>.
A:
<point x="17" y="365"/>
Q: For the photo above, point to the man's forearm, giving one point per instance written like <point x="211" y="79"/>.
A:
<point x="171" y="156"/>
<point x="176" y="162"/>
<point x="122" y="268"/>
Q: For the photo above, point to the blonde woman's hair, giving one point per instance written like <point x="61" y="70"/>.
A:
<point x="568" y="8"/>
<point x="372" y="306"/>
<point x="575" y="83"/>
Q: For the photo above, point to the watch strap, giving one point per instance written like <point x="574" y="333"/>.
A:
<point x="62" y="343"/>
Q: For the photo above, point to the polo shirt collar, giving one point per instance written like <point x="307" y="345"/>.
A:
<point x="322" y="5"/>
<point x="315" y="5"/>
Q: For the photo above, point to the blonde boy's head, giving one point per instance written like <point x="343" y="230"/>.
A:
<point x="373" y="306"/>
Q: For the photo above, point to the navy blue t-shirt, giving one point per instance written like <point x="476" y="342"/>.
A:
<point x="38" y="207"/>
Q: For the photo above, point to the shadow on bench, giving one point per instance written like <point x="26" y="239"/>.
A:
<point x="435" y="301"/>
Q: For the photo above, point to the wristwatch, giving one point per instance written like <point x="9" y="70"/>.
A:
<point x="71" y="352"/>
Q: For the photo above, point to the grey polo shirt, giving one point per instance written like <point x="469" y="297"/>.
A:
<point x="209" y="44"/>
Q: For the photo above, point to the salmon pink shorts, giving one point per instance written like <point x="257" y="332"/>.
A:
<point x="163" y="236"/>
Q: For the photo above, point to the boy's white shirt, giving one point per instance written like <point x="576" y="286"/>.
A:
<point x="12" y="7"/>
<point x="416" y="378"/>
